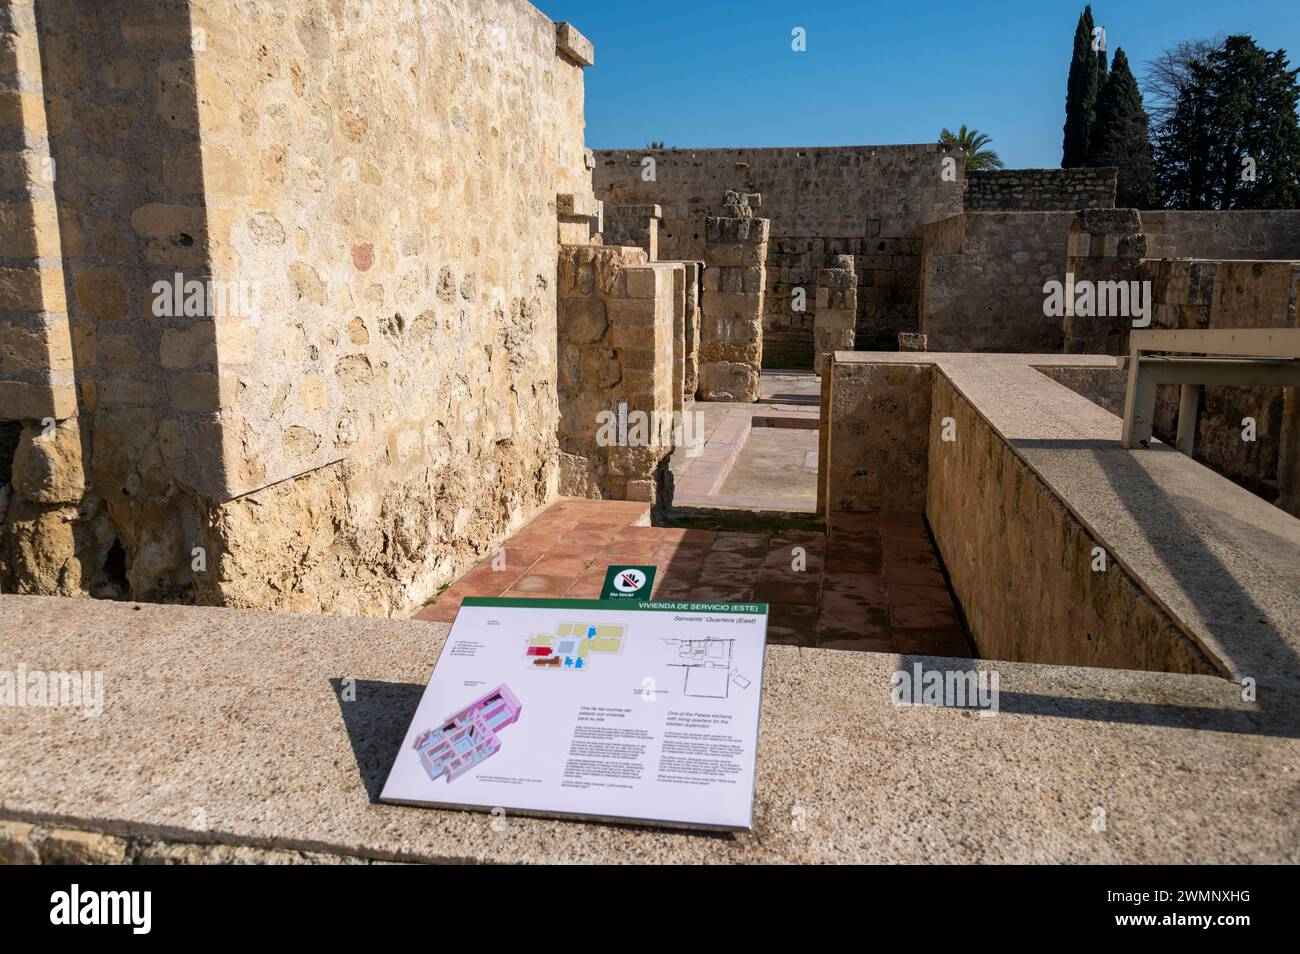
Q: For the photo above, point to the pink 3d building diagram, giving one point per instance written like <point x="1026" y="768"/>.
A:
<point x="469" y="736"/>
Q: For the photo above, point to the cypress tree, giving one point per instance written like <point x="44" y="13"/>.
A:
<point x="1121" y="137"/>
<point x="1087" y="74"/>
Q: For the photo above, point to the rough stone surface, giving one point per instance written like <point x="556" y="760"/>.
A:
<point x="365" y="400"/>
<point x="731" y="323"/>
<point x="1040" y="190"/>
<point x="250" y="749"/>
<point x="982" y="281"/>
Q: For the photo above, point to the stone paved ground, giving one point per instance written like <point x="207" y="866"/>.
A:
<point x="875" y="584"/>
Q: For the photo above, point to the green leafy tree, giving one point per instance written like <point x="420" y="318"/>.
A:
<point x="978" y="158"/>
<point x="1083" y="87"/>
<point x="1121" y="137"/>
<point x="1233" y="138"/>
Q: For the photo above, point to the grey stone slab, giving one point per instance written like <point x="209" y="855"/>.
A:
<point x="227" y="726"/>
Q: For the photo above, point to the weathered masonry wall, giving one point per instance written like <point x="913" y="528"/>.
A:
<point x="618" y="391"/>
<point x="1040" y="190"/>
<point x="1024" y="486"/>
<point x="1028" y="589"/>
<point x="874" y="437"/>
<point x="865" y="201"/>
<point x="982" y="281"/>
<point x="1222" y="235"/>
<point x="379" y="407"/>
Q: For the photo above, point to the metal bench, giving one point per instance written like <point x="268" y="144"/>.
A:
<point x="1192" y="358"/>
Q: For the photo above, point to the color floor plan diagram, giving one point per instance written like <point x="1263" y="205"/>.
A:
<point x="707" y="662"/>
<point x="573" y="645"/>
<point x="469" y="736"/>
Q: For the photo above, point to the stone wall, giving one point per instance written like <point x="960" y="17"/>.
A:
<point x="618" y="317"/>
<point x="865" y="201"/>
<point x="1270" y="233"/>
<point x="386" y="191"/>
<point x="1028" y="590"/>
<point x="1040" y="190"/>
<point x="874" y="440"/>
<point x="635" y="225"/>
<point x="1230" y="294"/>
<point x="1105" y="245"/>
<point x="982" y="281"/>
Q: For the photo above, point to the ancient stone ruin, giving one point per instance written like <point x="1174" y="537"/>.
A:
<point x="294" y="339"/>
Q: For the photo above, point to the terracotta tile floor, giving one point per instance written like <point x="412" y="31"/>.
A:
<point x="875" y="584"/>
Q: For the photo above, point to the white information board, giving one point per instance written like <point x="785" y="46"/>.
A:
<point x="604" y="709"/>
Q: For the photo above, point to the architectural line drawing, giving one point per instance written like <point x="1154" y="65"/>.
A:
<point x="707" y="664"/>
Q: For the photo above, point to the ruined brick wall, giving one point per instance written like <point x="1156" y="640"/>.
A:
<point x="1267" y="233"/>
<point x="388" y="184"/>
<point x="982" y="281"/>
<point x="865" y="201"/>
<point x="1105" y="245"/>
<point x="1040" y="190"/>
<point x="1231" y="294"/>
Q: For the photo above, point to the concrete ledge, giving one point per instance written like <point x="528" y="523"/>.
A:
<point x="224" y="727"/>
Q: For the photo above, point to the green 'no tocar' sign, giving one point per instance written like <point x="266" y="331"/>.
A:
<point x="628" y="583"/>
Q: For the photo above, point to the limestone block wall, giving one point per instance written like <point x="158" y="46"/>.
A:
<point x="617" y="324"/>
<point x="378" y="406"/>
<point x="865" y="201"/>
<point x="874" y="440"/>
<point x="731" y="323"/>
<point x="1232" y="294"/>
<point x="1041" y="190"/>
<point x="982" y="281"/>
<point x="1255" y="234"/>
<point x="1027" y="589"/>
<point x="837" y="307"/>
<point x="635" y="225"/>
<point x="1105" y="245"/>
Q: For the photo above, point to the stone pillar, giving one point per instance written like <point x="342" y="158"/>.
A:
<point x="691" y="365"/>
<point x="615" y="372"/>
<point x="837" y="309"/>
<point x="636" y="225"/>
<point x="731" y="327"/>
<point x="1105" y="245"/>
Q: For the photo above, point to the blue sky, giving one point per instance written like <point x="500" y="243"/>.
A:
<point x="710" y="73"/>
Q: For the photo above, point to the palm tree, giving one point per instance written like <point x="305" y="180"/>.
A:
<point x="978" y="159"/>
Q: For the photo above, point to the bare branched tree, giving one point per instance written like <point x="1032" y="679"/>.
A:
<point x="1168" y="74"/>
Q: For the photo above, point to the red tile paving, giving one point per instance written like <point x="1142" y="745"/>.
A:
<point x="875" y="584"/>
